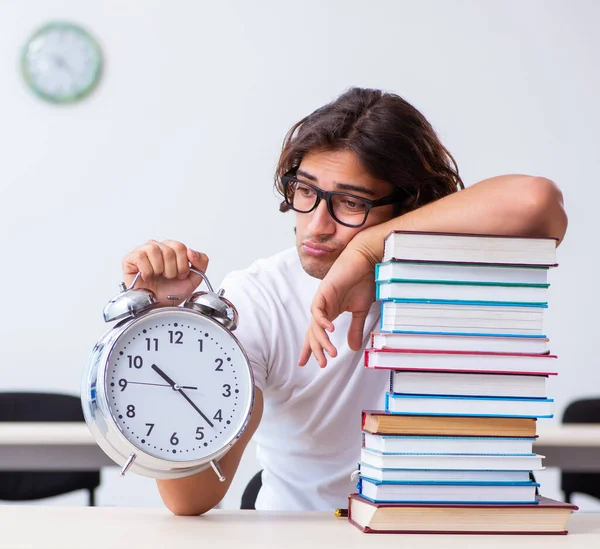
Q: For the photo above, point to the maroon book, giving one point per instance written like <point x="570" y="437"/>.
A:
<point x="547" y="516"/>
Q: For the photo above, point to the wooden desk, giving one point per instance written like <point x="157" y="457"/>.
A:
<point x="42" y="527"/>
<point x="56" y="446"/>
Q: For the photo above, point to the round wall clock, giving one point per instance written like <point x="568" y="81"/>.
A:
<point x="61" y="62"/>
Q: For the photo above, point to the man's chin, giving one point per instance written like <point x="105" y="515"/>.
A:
<point x="315" y="267"/>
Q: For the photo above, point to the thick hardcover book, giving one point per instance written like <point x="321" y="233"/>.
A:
<point x="411" y="444"/>
<point x="450" y="405"/>
<point x="523" y="493"/>
<point x="532" y="345"/>
<point x="470" y="248"/>
<point x="547" y="517"/>
<point x="425" y="382"/>
<point x="454" y="290"/>
<point x="460" y="361"/>
<point x="467" y="272"/>
<point x="462" y="317"/>
<point x="384" y="423"/>
<point x="471" y="462"/>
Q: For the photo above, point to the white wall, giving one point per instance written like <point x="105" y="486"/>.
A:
<point x="182" y="136"/>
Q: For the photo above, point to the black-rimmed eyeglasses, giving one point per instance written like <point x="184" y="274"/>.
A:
<point x="347" y="209"/>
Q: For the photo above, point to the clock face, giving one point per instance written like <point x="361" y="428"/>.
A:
<point x="61" y="63"/>
<point x="178" y="385"/>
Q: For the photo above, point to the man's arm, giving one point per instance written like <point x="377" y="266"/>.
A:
<point x="199" y="493"/>
<point x="517" y="205"/>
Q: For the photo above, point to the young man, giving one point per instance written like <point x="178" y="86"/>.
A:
<point x="352" y="171"/>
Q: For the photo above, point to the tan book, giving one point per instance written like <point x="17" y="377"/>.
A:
<point x="383" y="423"/>
<point x="547" y="516"/>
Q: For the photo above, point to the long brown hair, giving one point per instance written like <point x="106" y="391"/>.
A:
<point x="392" y="140"/>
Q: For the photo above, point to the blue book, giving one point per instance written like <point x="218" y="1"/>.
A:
<point x="457" y="492"/>
<point x="441" y="475"/>
<point x="455" y="290"/>
<point x="468" y="406"/>
<point x="403" y="444"/>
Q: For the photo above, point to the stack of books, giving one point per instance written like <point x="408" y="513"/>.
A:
<point x="462" y="336"/>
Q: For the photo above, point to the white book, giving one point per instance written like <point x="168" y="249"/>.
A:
<point x="447" y="493"/>
<point x="459" y="361"/>
<point x="442" y="342"/>
<point x="461" y="292"/>
<point x="470" y="248"/>
<point x="475" y="462"/>
<point x="463" y="318"/>
<point x="393" y="444"/>
<point x="435" y="475"/>
<point x="428" y="270"/>
<point x="467" y="384"/>
<point x="468" y="406"/>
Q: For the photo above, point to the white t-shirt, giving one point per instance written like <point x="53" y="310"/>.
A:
<point x="309" y="438"/>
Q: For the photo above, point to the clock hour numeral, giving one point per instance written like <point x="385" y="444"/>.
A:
<point x="201" y="342"/>
<point x="199" y="433"/>
<point x="227" y="392"/>
<point x="174" y="440"/>
<point x="135" y="361"/>
<point x="218" y="416"/>
<point x="151" y="425"/>
<point x="176" y="337"/>
<point x="219" y="362"/>
<point x="151" y="344"/>
<point x="122" y="384"/>
<point x="131" y="410"/>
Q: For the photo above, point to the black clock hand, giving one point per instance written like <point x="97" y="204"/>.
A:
<point x="159" y="385"/>
<point x="177" y="388"/>
<point x="163" y="375"/>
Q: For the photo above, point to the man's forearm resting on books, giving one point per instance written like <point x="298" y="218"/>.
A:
<point x="519" y="205"/>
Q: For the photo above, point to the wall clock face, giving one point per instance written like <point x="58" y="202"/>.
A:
<point x="61" y="63"/>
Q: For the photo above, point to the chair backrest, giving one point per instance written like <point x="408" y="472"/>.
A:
<point x="586" y="410"/>
<point x="40" y="407"/>
<point x="583" y="411"/>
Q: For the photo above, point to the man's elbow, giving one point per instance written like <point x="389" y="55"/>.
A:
<point x="543" y="201"/>
<point x="183" y="509"/>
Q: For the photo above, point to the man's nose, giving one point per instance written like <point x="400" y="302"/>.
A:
<point x="321" y="221"/>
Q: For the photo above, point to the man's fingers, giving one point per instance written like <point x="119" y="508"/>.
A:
<point x="138" y="262"/>
<point x="355" y="332"/>
<point x="305" y="352"/>
<point x="170" y="261"/>
<point x="155" y="256"/>
<point x="319" y="343"/>
<point x="316" y="342"/>
<point x="319" y="313"/>
<point x="181" y="259"/>
<point x="198" y="260"/>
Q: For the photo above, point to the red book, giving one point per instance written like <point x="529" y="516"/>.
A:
<point x="460" y="361"/>
<point x="546" y="517"/>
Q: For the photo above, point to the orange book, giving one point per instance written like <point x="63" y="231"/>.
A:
<point x="384" y="423"/>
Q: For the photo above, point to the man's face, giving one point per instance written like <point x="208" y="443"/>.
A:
<point x="319" y="238"/>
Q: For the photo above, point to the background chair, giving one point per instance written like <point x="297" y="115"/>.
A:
<point x="31" y="485"/>
<point x="251" y="492"/>
<point x="581" y="411"/>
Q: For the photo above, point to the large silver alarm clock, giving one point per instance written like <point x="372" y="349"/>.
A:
<point x="168" y="390"/>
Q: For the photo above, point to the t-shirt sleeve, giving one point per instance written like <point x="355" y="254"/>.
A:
<point x="253" y="330"/>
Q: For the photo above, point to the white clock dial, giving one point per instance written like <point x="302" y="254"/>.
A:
<point x="178" y="385"/>
<point x="61" y="62"/>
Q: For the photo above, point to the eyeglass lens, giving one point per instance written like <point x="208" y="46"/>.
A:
<point x="346" y="209"/>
